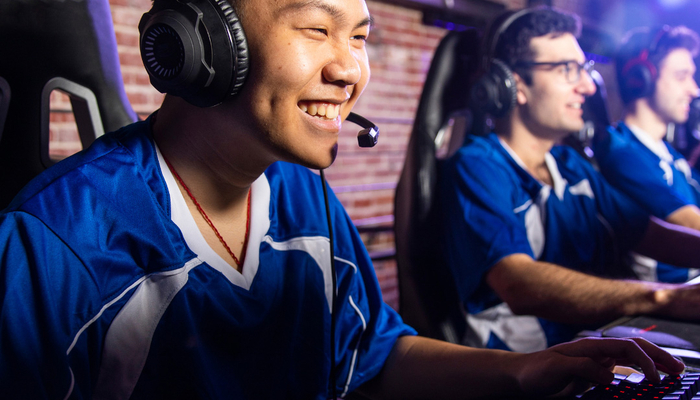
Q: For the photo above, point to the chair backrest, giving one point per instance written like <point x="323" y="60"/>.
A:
<point x="5" y="95"/>
<point x="64" y="45"/>
<point x="428" y="298"/>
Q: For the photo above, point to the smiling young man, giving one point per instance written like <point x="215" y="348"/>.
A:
<point x="532" y="234"/>
<point x="656" y="78"/>
<point x="188" y="255"/>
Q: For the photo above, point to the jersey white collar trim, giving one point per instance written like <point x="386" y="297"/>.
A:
<point x="259" y="225"/>
<point x="559" y="183"/>
<point x="659" y="148"/>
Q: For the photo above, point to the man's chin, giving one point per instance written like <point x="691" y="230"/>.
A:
<point x="319" y="162"/>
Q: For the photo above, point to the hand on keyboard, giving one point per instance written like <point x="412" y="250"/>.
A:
<point x="636" y="387"/>
<point x="570" y="368"/>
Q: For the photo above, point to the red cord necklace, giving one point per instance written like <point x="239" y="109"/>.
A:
<point x="206" y="218"/>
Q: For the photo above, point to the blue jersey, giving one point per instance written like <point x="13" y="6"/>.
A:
<point x="109" y="290"/>
<point x="492" y="208"/>
<point x="656" y="177"/>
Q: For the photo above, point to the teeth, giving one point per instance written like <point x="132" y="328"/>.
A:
<point x="576" y="105"/>
<point x="329" y="111"/>
<point x="332" y="112"/>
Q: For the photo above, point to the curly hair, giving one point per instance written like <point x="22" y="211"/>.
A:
<point x="639" y="39"/>
<point x="513" y="46"/>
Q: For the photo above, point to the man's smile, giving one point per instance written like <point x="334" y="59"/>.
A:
<point x="320" y="109"/>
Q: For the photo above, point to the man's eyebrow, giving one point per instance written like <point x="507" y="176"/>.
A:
<point x="331" y="10"/>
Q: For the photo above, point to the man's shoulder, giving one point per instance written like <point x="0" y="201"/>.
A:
<point x="87" y="170"/>
<point x="617" y="137"/>
<point x="569" y="160"/>
<point x="108" y="181"/>
<point x="479" y="152"/>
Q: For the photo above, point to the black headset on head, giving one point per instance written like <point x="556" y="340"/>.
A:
<point x="197" y="50"/>
<point x="638" y="77"/>
<point x="494" y="92"/>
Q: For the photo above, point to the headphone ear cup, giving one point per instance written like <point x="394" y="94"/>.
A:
<point x="495" y="91"/>
<point x="240" y="46"/>
<point x="639" y="77"/>
<point x="195" y="50"/>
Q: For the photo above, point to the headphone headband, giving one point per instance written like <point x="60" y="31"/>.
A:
<point x="657" y="38"/>
<point x="500" y="29"/>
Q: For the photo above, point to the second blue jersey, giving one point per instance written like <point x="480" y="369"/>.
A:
<point x="494" y="208"/>
<point x="656" y="177"/>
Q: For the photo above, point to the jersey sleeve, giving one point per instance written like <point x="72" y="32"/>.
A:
<point x="639" y="174"/>
<point x="479" y="223"/>
<point x="366" y="327"/>
<point x="40" y="293"/>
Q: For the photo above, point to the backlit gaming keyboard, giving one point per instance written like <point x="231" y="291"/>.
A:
<point x="635" y="387"/>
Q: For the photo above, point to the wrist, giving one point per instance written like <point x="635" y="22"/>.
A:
<point x="651" y="298"/>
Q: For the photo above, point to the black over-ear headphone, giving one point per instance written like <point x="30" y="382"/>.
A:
<point x="494" y="92"/>
<point x="194" y="49"/>
<point x="638" y="77"/>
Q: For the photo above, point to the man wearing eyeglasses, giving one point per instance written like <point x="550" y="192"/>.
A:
<point x="655" y="74"/>
<point x="532" y="233"/>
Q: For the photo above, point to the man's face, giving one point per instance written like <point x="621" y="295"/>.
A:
<point x="551" y="106"/>
<point x="675" y="87"/>
<point x="308" y="67"/>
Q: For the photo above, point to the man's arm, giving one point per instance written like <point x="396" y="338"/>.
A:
<point x="421" y="368"/>
<point x="687" y="216"/>
<point x="550" y="291"/>
<point x="671" y="243"/>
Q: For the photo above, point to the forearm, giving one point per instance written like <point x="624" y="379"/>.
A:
<point x="560" y="294"/>
<point x="687" y="216"/>
<point x="671" y="244"/>
<point x="421" y="368"/>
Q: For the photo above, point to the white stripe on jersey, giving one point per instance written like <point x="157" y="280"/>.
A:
<point x="128" y="338"/>
<point x="318" y="247"/>
<point x="354" y="353"/>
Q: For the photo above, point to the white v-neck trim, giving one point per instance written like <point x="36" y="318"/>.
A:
<point x="559" y="183"/>
<point x="659" y="148"/>
<point x="259" y="225"/>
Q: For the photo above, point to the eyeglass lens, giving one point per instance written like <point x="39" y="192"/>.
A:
<point x="573" y="70"/>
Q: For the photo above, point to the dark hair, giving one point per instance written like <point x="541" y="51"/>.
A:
<point x="513" y="45"/>
<point x="640" y="39"/>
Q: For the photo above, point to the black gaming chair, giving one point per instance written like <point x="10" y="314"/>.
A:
<point x="65" y="45"/>
<point x="597" y="120"/>
<point x="428" y="298"/>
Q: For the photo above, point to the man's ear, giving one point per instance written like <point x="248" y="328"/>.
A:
<point x="523" y="92"/>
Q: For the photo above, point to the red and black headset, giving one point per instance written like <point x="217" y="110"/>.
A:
<point x="638" y="75"/>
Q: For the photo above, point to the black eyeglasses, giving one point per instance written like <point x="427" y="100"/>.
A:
<point x="572" y="69"/>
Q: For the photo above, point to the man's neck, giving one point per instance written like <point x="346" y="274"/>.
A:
<point x="202" y="149"/>
<point x="531" y="150"/>
<point x="641" y="115"/>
